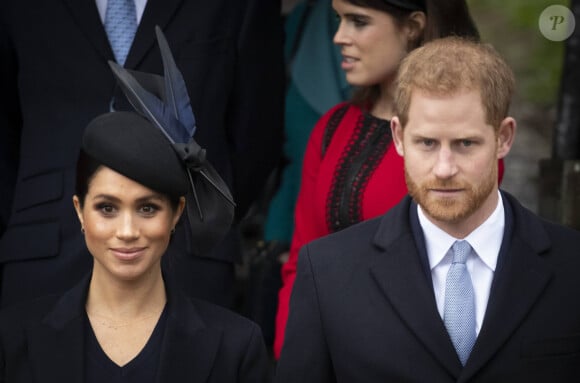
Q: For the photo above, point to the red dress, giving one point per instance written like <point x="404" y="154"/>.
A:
<point x="351" y="173"/>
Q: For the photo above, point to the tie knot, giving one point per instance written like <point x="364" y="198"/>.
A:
<point x="461" y="250"/>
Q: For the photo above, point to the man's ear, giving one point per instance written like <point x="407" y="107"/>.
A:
<point x="397" y="133"/>
<point x="505" y="136"/>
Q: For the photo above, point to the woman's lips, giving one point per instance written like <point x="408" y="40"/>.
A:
<point x="128" y="254"/>
<point x="348" y="63"/>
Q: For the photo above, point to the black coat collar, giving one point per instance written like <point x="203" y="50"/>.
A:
<point x="56" y="344"/>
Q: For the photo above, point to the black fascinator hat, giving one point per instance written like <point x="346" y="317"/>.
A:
<point x="155" y="147"/>
<point x="408" y="5"/>
<point x="129" y="144"/>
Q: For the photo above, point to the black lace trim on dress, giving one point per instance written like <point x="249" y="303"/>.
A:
<point x="359" y="159"/>
<point x="331" y="126"/>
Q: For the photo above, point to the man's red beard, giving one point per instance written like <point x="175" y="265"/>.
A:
<point x="454" y="208"/>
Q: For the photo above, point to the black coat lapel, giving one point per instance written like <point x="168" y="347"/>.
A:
<point x="56" y="343"/>
<point x="517" y="285"/>
<point x="189" y="346"/>
<point x="86" y="16"/>
<point x="401" y="277"/>
<point x="157" y="12"/>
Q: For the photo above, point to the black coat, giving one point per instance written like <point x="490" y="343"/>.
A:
<point x="54" y="78"/>
<point x="43" y="341"/>
<point x="363" y="307"/>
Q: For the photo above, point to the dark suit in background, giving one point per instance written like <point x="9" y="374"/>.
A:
<point x="366" y="310"/>
<point x="55" y="78"/>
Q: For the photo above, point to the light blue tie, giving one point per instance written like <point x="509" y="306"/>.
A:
<point x="459" y="312"/>
<point x="121" y="25"/>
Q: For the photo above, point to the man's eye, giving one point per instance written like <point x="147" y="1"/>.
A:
<point x="466" y="143"/>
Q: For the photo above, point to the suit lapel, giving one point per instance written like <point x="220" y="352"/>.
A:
<point x="157" y="13"/>
<point x="189" y="346"/>
<point x="517" y="285"/>
<point x="56" y="343"/>
<point x="401" y="277"/>
<point x="86" y="16"/>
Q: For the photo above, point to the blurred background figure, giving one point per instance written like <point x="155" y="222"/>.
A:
<point x="314" y="83"/>
<point x="55" y="78"/>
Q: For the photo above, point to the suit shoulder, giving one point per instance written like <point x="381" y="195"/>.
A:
<point x="25" y="313"/>
<point x="543" y="235"/>
<point x="530" y="221"/>
<point x="561" y="235"/>
<point x="344" y="249"/>
<point x="392" y="224"/>
<point x="29" y="308"/>
<point x="217" y="316"/>
<point x="356" y="233"/>
<point x="560" y="230"/>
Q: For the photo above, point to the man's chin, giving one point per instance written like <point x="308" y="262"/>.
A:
<point x="445" y="210"/>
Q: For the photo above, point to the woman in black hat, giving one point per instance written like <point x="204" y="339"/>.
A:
<point x="125" y="322"/>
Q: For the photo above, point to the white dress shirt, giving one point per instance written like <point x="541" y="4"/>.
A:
<point x="485" y="242"/>
<point x="139" y="8"/>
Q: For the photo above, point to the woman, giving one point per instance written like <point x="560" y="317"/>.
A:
<point x="351" y="171"/>
<point x="126" y="322"/>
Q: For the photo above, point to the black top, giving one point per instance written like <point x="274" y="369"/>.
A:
<point x="142" y="369"/>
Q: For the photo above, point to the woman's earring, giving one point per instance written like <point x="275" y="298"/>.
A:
<point x="82" y="230"/>
<point x="172" y="231"/>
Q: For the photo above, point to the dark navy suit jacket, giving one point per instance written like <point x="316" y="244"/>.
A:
<point x="363" y="307"/>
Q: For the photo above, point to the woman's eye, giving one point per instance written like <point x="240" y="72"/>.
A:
<point x="106" y="209"/>
<point x="149" y="209"/>
<point x="428" y="142"/>
<point x="359" y="22"/>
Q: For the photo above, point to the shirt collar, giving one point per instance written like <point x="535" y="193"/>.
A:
<point x="485" y="239"/>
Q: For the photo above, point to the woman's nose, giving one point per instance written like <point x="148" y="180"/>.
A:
<point x="127" y="228"/>
<point x="341" y="36"/>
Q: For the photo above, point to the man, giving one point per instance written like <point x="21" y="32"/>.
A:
<point x="55" y="77"/>
<point x="456" y="283"/>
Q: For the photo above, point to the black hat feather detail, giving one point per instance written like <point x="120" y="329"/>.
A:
<point x="164" y="102"/>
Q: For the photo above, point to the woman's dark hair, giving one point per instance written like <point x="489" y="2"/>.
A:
<point x="444" y="18"/>
<point x="87" y="166"/>
<point x="449" y="18"/>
